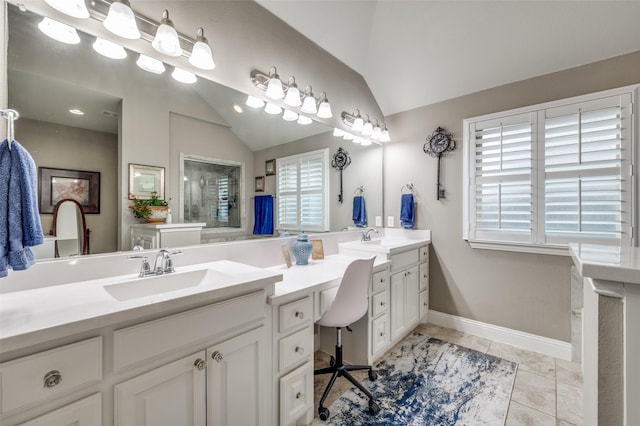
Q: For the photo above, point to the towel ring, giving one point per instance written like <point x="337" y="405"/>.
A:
<point x="359" y="189"/>
<point x="408" y="186"/>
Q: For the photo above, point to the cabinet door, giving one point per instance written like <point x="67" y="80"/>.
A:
<point x="411" y="300"/>
<point x="424" y="305"/>
<point x="379" y="334"/>
<point x="397" y="304"/>
<point x="86" y="412"/>
<point x="237" y="385"/>
<point x="173" y="394"/>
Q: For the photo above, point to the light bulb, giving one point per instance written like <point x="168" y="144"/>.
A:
<point x="274" y="86"/>
<point x="358" y="124"/>
<point x="293" y="96"/>
<point x="59" y="31"/>
<point x="109" y="49"/>
<point x="254" y="102"/>
<point x="367" y="129"/>
<point x="75" y="8"/>
<point x="150" y="64"/>
<point x="324" y="110"/>
<point x="184" y="76"/>
<point x="121" y="20"/>
<point x="376" y="134"/>
<point x="166" y="40"/>
<point x="201" y="56"/>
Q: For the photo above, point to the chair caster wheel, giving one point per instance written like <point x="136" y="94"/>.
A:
<point x="373" y="408"/>
<point x="332" y="361"/>
<point x="372" y="375"/>
<point x="324" y="413"/>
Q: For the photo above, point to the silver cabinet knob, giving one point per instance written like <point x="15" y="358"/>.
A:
<point x="52" y="378"/>
<point x="382" y="303"/>
<point x="217" y="356"/>
<point x="381" y="333"/>
<point x="299" y="350"/>
<point x="299" y="314"/>
<point x="200" y="364"/>
<point x="299" y="395"/>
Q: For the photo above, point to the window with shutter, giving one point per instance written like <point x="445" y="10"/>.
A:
<point x="552" y="174"/>
<point x="302" y="202"/>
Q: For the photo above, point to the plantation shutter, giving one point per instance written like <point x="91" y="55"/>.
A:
<point x="503" y="198"/>
<point x="302" y="187"/>
<point x="223" y="198"/>
<point x="587" y="187"/>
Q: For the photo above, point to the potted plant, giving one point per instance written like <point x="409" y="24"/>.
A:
<point x="153" y="210"/>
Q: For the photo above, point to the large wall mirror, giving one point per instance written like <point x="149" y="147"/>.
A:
<point x="82" y="111"/>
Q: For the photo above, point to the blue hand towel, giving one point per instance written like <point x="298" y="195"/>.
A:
<point x="263" y="215"/>
<point x="19" y="218"/>
<point x="406" y="211"/>
<point x="359" y="211"/>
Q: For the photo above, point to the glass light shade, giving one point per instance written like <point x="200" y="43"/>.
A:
<point x="324" y="110"/>
<point x="59" y="31"/>
<point x="289" y="115"/>
<point x="254" y="102"/>
<point x="201" y="56"/>
<point x="367" y="129"/>
<point x="272" y="109"/>
<point x="166" y="40"/>
<point x="121" y="20"/>
<point x="183" y="76"/>
<point x="304" y="120"/>
<point x="338" y="133"/>
<point x="347" y="136"/>
<point x="274" y="88"/>
<point x="75" y="8"/>
<point x="150" y="64"/>
<point x="109" y="49"/>
<point x="293" y="97"/>
<point x="365" y="142"/>
<point x="376" y="134"/>
<point x="358" y="139"/>
<point x="385" y="137"/>
<point x="358" y="124"/>
<point x="309" y="105"/>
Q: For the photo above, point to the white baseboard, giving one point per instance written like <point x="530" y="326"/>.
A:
<point x="531" y="342"/>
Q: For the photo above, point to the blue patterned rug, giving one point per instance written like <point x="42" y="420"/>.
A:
<point x="425" y="381"/>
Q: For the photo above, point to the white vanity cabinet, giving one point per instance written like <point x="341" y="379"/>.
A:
<point x="404" y="301"/>
<point x="85" y="412"/>
<point x="423" y="279"/>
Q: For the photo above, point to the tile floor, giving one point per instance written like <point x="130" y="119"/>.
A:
<point x="547" y="390"/>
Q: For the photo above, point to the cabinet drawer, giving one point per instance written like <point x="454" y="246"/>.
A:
<point x="379" y="334"/>
<point x="86" y="412"/>
<point x="379" y="303"/>
<point x="295" y="313"/>
<point x="424" y="254"/>
<point x="424" y="276"/>
<point x="296" y="394"/>
<point x="294" y="348"/>
<point x="424" y="304"/>
<point x="151" y="339"/>
<point x="404" y="259"/>
<point x="65" y="368"/>
<point x="379" y="281"/>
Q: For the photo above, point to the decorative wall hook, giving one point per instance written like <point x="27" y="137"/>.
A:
<point x="340" y="161"/>
<point x="438" y="144"/>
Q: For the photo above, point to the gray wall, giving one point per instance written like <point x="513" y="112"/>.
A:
<point x="50" y="144"/>
<point x="525" y="292"/>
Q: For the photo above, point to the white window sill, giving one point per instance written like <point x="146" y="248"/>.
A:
<point x="556" y="250"/>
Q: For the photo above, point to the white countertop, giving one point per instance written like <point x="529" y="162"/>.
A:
<point x="317" y="275"/>
<point x="38" y="315"/>
<point x="609" y="263"/>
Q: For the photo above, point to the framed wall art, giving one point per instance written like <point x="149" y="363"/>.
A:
<point x="259" y="184"/>
<point x="270" y="167"/>
<point x="79" y="185"/>
<point x="145" y="180"/>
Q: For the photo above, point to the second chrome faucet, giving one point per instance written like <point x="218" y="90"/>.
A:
<point x="366" y="235"/>
<point x="163" y="263"/>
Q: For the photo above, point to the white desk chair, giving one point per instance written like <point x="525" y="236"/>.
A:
<point x="349" y="305"/>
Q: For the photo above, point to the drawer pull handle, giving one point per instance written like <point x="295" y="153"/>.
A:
<point x="381" y="333"/>
<point x="382" y="303"/>
<point x="299" y="395"/>
<point x="199" y="364"/>
<point x="299" y="314"/>
<point x="382" y="280"/>
<point x="299" y="350"/>
<point x="217" y="356"/>
<point x="52" y="378"/>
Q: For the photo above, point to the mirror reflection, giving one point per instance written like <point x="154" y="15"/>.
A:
<point x="69" y="228"/>
<point x="124" y="115"/>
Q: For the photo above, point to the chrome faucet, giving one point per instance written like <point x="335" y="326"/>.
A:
<point x="145" y="268"/>
<point x="164" y="263"/>
<point x="366" y="235"/>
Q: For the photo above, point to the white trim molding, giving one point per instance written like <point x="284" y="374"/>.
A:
<point x="528" y="341"/>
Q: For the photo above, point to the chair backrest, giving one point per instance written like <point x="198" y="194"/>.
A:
<point x="352" y="298"/>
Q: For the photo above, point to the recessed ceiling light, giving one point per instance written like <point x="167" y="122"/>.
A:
<point x="237" y="108"/>
<point x="76" y="111"/>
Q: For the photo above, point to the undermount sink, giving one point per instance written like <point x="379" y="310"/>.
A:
<point x="380" y="242"/>
<point x="160" y="284"/>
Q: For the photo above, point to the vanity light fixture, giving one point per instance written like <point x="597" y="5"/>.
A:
<point x="274" y="86"/>
<point x="385" y="137"/>
<point x="150" y="64"/>
<point x="254" y="102"/>
<point x="304" y="120"/>
<point x="166" y="40"/>
<point x="272" y="109"/>
<point x="289" y="115"/>
<point x="376" y="133"/>
<point x="368" y="128"/>
<point x="73" y="8"/>
<point x="293" y="94"/>
<point x="183" y="76"/>
<point x="201" y="56"/>
<point x="358" y="122"/>
<point x="121" y="20"/>
<point x="324" y="109"/>
<point x="309" y="103"/>
<point x="59" y="31"/>
<point x="109" y="49"/>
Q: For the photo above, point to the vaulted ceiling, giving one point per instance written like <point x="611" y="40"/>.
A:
<point x="418" y="52"/>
